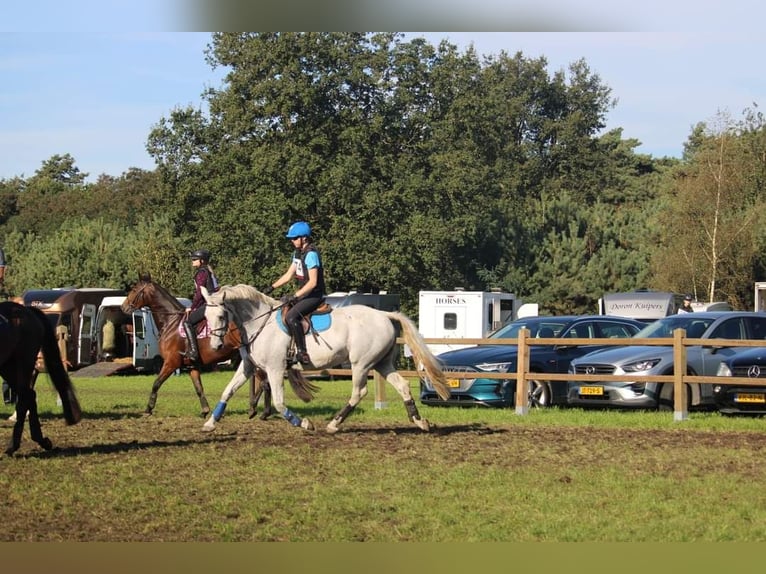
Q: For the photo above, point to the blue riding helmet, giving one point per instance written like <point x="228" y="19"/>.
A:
<point x="298" y="229"/>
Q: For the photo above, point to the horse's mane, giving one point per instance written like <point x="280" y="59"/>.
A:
<point x="241" y="292"/>
<point x="167" y="295"/>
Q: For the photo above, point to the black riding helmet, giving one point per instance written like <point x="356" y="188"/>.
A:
<point x="202" y="254"/>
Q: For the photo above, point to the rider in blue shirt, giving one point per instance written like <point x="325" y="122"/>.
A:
<point x="306" y="268"/>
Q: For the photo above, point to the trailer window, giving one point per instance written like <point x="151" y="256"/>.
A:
<point x="450" y="321"/>
<point x="139" y="331"/>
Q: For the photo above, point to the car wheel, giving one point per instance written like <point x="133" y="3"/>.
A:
<point x="539" y="394"/>
<point x="667" y="399"/>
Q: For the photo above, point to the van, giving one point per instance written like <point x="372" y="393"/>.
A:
<point x="647" y="305"/>
<point x="72" y="312"/>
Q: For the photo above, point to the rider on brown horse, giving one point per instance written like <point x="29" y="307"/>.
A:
<point x="203" y="276"/>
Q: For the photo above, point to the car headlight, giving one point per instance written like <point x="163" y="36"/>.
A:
<point x="496" y="367"/>
<point x="723" y="370"/>
<point x="640" y="366"/>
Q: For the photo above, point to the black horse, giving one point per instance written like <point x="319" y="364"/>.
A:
<point x="25" y="332"/>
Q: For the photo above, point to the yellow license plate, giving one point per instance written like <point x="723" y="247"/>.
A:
<point x="749" y="398"/>
<point x="453" y="383"/>
<point x="592" y="391"/>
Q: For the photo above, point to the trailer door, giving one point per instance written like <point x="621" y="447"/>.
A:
<point x="449" y="323"/>
<point x="87" y="332"/>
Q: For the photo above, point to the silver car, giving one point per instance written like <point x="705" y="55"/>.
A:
<point x="658" y="360"/>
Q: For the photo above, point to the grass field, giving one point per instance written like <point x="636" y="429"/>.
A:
<point x="481" y="475"/>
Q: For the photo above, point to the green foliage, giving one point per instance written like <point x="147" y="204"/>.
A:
<point x="713" y="213"/>
<point x="418" y="167"/>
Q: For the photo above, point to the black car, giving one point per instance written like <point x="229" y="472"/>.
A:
<point x="747" y="362"/>
<point x="543" y="359"/>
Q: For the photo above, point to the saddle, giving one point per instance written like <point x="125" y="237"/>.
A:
<point x="201" y="328"/>
<point x="318" y="320"/>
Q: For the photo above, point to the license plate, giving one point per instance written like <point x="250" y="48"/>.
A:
<point x="749" y="398"/>
<point x="453" y="383"/>
<point x="592" y="391"/>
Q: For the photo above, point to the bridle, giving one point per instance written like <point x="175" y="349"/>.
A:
<point x="221" y="331"/>
<point x="132" y="306"/>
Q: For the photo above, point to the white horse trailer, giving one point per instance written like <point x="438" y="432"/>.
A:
<point x="463" y="314"/>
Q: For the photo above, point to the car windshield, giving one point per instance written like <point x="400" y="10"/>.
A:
<point x="663" y="328"/>
<point x="545" y="328"/>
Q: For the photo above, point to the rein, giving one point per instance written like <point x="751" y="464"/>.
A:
<point x="133" y="307"/>
<point x="263" y="325"/>
<point x="245" y="343"/>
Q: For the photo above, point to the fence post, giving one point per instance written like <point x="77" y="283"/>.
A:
<point x="380" y="391"/>
<point x="680" y="412"/>
<point x="522" y="368"/>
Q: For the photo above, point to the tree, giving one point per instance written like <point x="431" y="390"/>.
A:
<point x="710" y="216"/>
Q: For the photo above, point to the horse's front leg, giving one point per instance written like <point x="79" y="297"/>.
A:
<point x="196" y="378"/>
<point x="241" y="375"/>
<point x="163" y="375"/>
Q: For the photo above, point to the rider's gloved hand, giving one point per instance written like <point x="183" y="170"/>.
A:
<point x="288" y="299"/>
<point x="267" y="290"/>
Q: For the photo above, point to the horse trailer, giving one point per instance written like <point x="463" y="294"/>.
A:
<point x="72" y="312"/>
<point x="460" y="314"/>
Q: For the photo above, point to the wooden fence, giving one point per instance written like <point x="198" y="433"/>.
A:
<point x="679" y="379"/>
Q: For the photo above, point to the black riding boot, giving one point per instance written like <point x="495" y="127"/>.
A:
<point x="191" y="341"/>
<point x="300" y="343"/>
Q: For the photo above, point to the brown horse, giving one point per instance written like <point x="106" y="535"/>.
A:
<point x="24" y="332"/>
<point x="168" y="312"/>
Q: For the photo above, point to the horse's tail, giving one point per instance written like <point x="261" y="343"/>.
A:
<point x="302" y="387"/>
<point x="423" y="356"/>
<point x="56" y="370"/>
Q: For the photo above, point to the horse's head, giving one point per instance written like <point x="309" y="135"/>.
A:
<point x="138" y="296"/>
<point x="217" y="317"/>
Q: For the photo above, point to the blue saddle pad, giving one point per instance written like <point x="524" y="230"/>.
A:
<point x="318" y="322"/>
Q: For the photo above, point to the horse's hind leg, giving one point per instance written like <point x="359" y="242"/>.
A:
<point x="18" y="426"/>
<point x="35" y="430"/>
<point x="402" y="387"/>
<point x="259" y="387"/>
<point x="26" y="403"/>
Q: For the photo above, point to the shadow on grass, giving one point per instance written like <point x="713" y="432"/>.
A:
<point x="436" y="430"/>
<point x="119" y="447"/>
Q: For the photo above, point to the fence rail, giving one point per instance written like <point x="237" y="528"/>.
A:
<point x="679" y="379"/>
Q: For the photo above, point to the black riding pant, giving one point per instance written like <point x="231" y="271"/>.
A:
<point x="197" y="315"/>
<point x="301" y="308"/>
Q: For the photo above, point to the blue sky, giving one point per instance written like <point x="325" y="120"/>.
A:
<point x="96" y="94"/>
